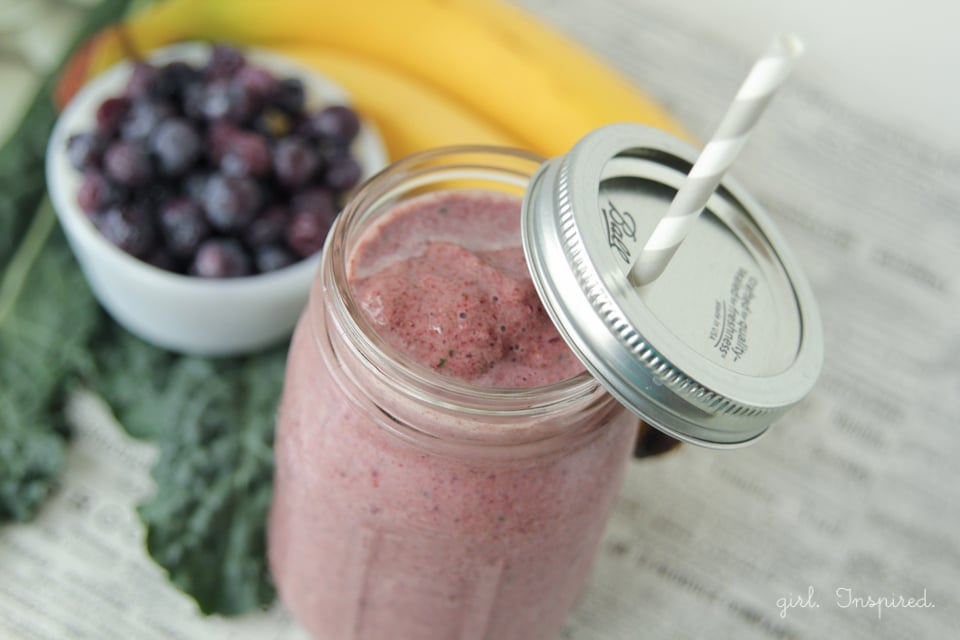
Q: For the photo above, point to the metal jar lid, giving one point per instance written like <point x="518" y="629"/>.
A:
<point x="723" y="342"/>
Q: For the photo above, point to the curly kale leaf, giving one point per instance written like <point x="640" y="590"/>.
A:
<point x="47" y="316"/>
<point x="22" y="157"/>
<point x="213" y="420"/>
<point x="31" y="459"/>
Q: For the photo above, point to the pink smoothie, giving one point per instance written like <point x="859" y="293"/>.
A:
<point x="376" y="531"/>
<point x="444" y="281"/>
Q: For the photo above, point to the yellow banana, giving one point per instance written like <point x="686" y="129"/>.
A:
<point x="410" y="117"/>
<point x="487" y="56"/>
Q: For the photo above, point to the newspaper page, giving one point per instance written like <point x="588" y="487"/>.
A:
<point x="840" y="523"/>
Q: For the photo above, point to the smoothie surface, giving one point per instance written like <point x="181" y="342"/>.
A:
<point x="443" y="279"/>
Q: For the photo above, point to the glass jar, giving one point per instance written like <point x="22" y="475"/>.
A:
<point x="410" y="505"/>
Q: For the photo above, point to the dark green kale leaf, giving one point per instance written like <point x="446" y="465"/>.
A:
<point x="22" y="157"/>
<point x="213" y="420"/>
<point x="47" y="314"/>
<point x="22" y="182"/>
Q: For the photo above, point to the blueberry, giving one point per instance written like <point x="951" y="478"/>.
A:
<point x="231" y="202"/>
<point x="218" y="139"/>
<point x="129" y="227"/>
<point x="85" y="150"/>
<point x="343" y="173"/>
<point x="245" y="153"/>
<point x="192" y="101"/>
<point x="338" y="123"/>
<point x="268" y="228"/>
<point x="223" y="100"/>
<point x="194" y="184"/>
<point x="316" y="200"/>
<point x="225" y="61"/>
<point x="256" y="80"/>
<point x="143" y="117"/>
<point x="173" y="80"/>
<point x="176" y="145"/>
<point x="294" y="162"/>
<point x="141" y="80"/>
<point x="110" y="114"/>
<point x="306" y="232"/>
<point x="271" y="257"/>
<point x="163" y="260"/>
<point x="96" y="193"/>
<point x="221" y="258"/>
<point x="183" y="226"/>
<point x="288" y="96"/>
<point x="128" y="163"/>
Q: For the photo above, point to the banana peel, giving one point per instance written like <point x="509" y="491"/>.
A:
<point x="409" y="115"/>
<point x="429" y="72"/>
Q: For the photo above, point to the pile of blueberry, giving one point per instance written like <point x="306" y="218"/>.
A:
<point x="217" y="170"/>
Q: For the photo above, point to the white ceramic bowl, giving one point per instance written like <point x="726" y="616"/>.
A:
<point x="182" y="313"/>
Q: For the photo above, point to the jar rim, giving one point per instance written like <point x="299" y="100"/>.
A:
<point x="400" y="371"/>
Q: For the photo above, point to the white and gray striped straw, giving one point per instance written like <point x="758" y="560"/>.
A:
<point x="767" y="75"/>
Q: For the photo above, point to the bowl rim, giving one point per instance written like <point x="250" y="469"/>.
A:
<point x="62" y="188"/>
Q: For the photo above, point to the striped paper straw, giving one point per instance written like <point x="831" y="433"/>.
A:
<point x="766" y="76"/>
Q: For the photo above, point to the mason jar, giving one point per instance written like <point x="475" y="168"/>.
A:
<point x="410" y="504"/>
